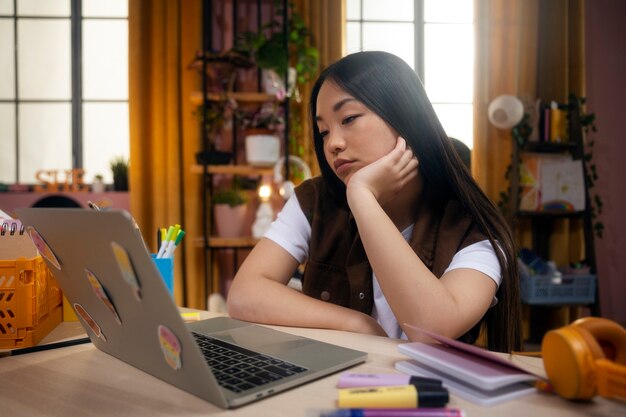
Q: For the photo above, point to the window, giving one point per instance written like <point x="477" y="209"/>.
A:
<point x="435" y="37"/>
<point x="63" y="86"/>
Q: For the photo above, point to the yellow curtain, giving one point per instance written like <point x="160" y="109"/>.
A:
<point x="164" y="36"/>
<point x="530" y="49"/>
<point x="326" y="20"/>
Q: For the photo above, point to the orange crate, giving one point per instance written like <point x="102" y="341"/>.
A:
<point x="31" y="302"/>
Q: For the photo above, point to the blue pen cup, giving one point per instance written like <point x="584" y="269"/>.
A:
<point x="166" y="269"/>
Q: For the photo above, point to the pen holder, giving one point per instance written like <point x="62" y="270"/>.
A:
<point x="166" y="269"/>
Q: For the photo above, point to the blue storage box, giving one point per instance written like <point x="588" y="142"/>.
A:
<point x="555" y="290"/>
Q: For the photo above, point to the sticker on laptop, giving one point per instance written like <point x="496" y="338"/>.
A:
<point x="42" y="247"/>
<point x="101" y="293"/>
<point x="170" y="346"/>
<point x="126" y="267"/>
<point x="82" y="313"/>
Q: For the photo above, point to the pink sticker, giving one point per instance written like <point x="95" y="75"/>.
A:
<point x="101" y="293"/>
<point x="43" y="247"/>
<point x="170" y="346"/>
<point x="82" y="313"/>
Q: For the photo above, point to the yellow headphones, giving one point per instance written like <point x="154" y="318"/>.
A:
<point x="586" y="358"/>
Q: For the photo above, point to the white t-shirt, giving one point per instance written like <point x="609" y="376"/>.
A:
<point x="292" y="232"/>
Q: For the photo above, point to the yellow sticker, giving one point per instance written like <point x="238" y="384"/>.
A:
<point x="101" y="293"/>
<point x="126" y="268"/>
<point x="170" y="346"/>
<point x="43" y="247"/>
<point x="89" y="321"/>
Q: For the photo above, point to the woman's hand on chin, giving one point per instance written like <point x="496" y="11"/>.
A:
<point x="385" y="177"/>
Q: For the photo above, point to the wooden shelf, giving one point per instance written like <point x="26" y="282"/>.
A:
<point x="233" y="170"/>
<point x="549" y="147"/>
<point x="550" y="213"/>
<point x="228" y="242"/>
<point x="243" y="97"/>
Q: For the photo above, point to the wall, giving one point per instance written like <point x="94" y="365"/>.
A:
<point x="605" y="61"/>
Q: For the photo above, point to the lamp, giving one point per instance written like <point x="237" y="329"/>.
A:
<point x="505" y="111"/>
<point x="264" y="214"/>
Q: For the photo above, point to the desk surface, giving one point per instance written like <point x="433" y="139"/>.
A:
<point x="81" y="380"/>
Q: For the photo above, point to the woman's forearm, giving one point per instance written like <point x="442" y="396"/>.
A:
<point x="266" y="301"/>
<point x="259" y="293"/>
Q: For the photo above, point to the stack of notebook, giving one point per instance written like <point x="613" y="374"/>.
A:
<point x="469" y="372"/>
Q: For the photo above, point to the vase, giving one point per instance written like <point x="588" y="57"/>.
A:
<point x="229" y="221"/>
<point x="98" y="187"/>
<point x="262" y="150"/>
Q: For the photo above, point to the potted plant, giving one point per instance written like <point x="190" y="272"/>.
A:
<point x="216" y="115"/>
<point x="262" y="128"/>
<point x="216" y="112"/>
<point x="119" y="167"/>
<point x="268" y="51"/>
<point x="98" y="185"/>
<point x="229" y="209"/>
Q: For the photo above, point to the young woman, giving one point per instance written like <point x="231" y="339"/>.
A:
<point x="394" y="231"/>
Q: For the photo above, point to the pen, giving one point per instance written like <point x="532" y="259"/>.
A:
<point x="168" y="236"/>
<point x="353" y="380"/>
<point x="171" y="241"/>
<point x="169" y="252"/>
<point x="395" y="412"/>
<point x="49" y="346"/>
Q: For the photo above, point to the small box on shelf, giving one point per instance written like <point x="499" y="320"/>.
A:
<point x="554" y="289"/>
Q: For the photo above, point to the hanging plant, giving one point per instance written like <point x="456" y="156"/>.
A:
<point x="268" y="51"/>
<point x="588" y="123"/>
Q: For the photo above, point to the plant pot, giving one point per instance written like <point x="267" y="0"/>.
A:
<point x="262" y="150"/>
<point x="98" y="187"/>
<point x="120" y="183"/>
<point x="229" y="221"/>
<point x="213" y="157"/>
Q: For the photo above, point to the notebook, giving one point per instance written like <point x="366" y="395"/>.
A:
<point x="467" y="371"/>
<point x="106" y="273"/>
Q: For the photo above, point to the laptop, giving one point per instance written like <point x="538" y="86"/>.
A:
<point x="107" y="274"/>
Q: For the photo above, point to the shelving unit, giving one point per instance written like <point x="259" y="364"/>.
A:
<point x="541" y="222"/>
<point x="575" y="147"/>
<point x="209" y="242"/>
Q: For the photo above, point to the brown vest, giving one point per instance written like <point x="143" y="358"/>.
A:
<point x="338" y="270"/>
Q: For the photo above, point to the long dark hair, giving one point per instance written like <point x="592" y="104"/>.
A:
<point x="390" y="88"/>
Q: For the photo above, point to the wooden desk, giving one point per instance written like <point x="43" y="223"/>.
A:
<point x="83" y="381"/>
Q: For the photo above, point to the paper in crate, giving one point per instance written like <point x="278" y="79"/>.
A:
<point x="551" y="182"/>
<point x="30" y="298"/>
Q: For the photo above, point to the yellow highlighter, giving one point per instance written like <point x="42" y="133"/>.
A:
<point x="404" y="396"/>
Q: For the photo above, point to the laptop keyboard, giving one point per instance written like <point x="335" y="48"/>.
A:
<point x="238" y="369"/>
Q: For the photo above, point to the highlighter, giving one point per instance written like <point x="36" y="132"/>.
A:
<point x="352" y="380"/>
<point x="406" y="396"/>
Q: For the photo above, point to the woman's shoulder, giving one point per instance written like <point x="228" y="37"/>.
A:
<point x="313" y="191"/>
<point x="318" y="201"/>
<point x="313" y="185"/>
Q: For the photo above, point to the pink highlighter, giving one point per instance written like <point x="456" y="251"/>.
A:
<point x="352" y="380"/>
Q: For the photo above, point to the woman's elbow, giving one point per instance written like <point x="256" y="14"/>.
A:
<point x="236" y="303"/>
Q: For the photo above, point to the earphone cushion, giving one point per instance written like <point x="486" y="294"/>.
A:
<point x="568" y="355"/>
<point x="609" y="335"/>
